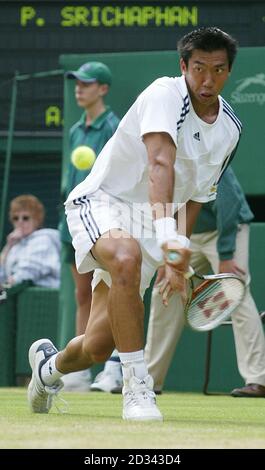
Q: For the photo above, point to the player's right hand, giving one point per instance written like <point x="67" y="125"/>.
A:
<point x="175" y="270"/>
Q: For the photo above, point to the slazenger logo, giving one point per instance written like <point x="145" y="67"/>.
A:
<point x="240" y="95"/>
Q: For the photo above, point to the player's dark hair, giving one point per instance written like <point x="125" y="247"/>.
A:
<point x="208" y="40"/>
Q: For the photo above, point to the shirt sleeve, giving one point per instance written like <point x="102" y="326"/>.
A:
<point x="206" y="198"/>
<point x="159" y="110"/>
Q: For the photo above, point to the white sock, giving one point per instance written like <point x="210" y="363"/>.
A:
<point x="49" y="373"/>
<point x="133" y="364"/>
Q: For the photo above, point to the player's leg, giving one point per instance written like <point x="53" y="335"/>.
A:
<point x="97" y="344"/>
<point x="48" y="365"/>
<point x="122" y="258"/>
<point x="83" y="294"/>
<point x="80" y="381"/>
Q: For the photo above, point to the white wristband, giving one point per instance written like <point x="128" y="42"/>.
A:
<point x="166" y="231"/>
<point x="184" y="241"/>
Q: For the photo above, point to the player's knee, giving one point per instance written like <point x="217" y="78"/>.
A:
<point x="126" y="268"/>
<point x="98" y="357"/>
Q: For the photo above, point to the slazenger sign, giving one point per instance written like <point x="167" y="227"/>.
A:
<point x="242" y="94"/>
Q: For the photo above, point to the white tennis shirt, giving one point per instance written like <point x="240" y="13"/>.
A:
<point x="202" y="149"/>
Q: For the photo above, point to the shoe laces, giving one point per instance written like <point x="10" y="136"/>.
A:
<point x="52" y="391"/>
<point x="140" y="395"/>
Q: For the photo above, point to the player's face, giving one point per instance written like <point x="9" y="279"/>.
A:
<point x="206" y="75"/>
<point x="88" y="94"/>
<point x="25" y="222"/>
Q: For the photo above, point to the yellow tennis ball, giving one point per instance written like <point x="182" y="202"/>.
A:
<point x="83" y="157"/>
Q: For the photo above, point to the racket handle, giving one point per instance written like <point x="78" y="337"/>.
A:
<point x="190" y="273"/>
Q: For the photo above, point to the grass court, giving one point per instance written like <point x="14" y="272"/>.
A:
<point x="93" y="421"/>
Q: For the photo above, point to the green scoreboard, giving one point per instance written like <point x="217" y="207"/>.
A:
<point x="33" y="34"/>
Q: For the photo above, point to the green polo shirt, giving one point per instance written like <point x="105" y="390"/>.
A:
<point x="225" y="214"/>
<point x="95" y="136"/>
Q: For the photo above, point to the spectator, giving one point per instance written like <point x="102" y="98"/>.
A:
<point x="95" y="127"/>
<point x="31" y="253"/>
<point x="220" y="242"/>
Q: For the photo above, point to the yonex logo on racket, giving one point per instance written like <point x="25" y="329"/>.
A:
<point x="219" y="300"/>
<point x="213" y="300"/>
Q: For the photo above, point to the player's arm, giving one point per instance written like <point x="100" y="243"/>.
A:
<point x="162" y="154"/>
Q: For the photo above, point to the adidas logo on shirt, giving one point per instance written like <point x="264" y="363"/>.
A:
<point x="196" y="136"/>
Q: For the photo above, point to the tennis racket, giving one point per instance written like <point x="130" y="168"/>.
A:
<point x="213" y="300"/>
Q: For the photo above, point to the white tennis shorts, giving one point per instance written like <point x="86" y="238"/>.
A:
<point x="91" y="216"/>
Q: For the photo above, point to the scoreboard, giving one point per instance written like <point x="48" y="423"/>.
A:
<point x="33" y="34"/>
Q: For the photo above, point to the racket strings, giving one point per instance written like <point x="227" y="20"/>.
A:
<point x="213" y="301"/>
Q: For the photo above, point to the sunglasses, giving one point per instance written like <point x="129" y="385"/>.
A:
<point x="25" y="218"/>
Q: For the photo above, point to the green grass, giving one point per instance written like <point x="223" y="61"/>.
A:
<point x="94" y="421"/>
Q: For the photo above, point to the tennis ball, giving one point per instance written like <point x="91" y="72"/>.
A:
<point x="83" y="157"/>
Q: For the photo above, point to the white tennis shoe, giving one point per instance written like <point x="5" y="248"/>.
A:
<point x="40" y="396"/>
<point x="139" y="401"/>
<point x="109" y="379"/>
<point x="77" y="381"/>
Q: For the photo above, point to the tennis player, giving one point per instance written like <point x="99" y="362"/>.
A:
<point x="170" y="149"/>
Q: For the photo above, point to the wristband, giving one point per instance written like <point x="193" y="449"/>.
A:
<point x="184" y="241"/>
<point x="166" y="231"/>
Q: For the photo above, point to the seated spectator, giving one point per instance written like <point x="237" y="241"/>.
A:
<point x="31" y="253"/>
